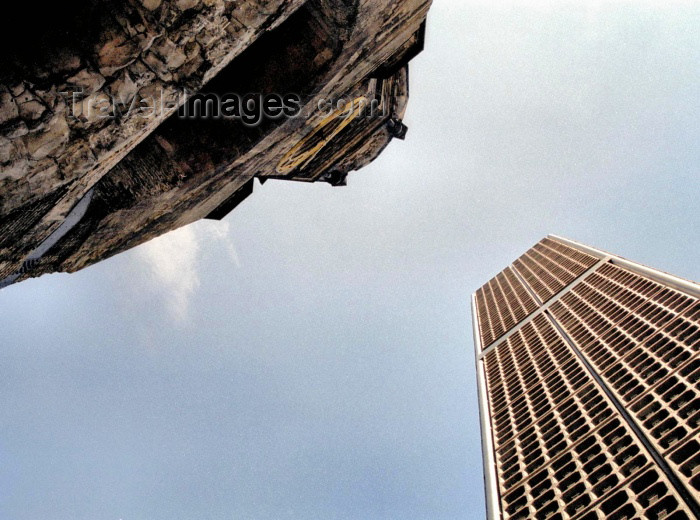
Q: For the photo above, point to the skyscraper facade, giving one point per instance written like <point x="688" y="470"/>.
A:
<point x="588" y="371"/>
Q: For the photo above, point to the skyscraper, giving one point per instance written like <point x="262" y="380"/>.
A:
<point x="588" y="372"/>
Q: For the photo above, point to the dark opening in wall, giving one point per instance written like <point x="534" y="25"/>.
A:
<point x="294" y="58"/>
<point x="46" y="40"/>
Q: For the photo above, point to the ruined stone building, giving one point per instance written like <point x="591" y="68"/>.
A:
<point x="101" y="143"/>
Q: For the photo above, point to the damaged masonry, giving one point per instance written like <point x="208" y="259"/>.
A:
<point x="78" y="184"/>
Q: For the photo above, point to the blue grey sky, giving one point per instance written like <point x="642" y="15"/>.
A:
<point x="311" y="356"/>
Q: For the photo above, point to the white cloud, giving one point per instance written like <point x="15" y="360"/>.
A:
<point x="220" y="233"/>
<point x="175" y="261"/>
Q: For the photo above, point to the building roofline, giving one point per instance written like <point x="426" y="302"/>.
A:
<point x="687" y="286"/>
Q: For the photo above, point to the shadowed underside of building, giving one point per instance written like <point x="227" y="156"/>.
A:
<point x="77" y="187"/>
<point x="588" y="367"/>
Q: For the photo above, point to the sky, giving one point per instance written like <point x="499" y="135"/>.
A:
<point x="311" y="356"/>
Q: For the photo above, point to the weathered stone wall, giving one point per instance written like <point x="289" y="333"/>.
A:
<point x="140" y="49"/>
<point x="149" y="177"/>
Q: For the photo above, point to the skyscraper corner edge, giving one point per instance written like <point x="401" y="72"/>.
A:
<point x="608" y="335"/>
<point x="687" y="286"/>
<point x="490" y="481"/>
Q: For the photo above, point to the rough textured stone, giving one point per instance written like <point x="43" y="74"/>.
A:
<point x="184" y="5"/>
<point x="45" y="170"/>
<point x="17" y="89"/>
<point x="123" y="89"/>
<point x="7" y="149"/>
<point x="78" y="160"/>
<point x="41" y="144"/>
<point x="15" y="170"/>
<point x="164" y="57"/>
<point x="31" y="110"/>
<point x="87" y="81"/>
<point x="152" y="174"/>
<point x="8" y="108"/>
<point x="151" y="5"/>
<point x="15" y="130"/>
<point x="116" y="53"/>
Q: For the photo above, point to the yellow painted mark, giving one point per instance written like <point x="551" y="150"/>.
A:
<point x="309" y="147"/>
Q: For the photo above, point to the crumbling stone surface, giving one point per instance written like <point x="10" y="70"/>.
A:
<point x="141" y="48"/>
<point x="147" y="176"/>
